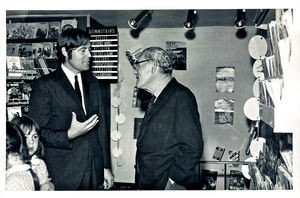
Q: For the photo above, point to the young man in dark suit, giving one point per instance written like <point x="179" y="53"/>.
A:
<point x="68" y="107"/>
<point x="170" y="141"/>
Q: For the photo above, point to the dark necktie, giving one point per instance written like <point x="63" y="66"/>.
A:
<point x="77" y="89"/>
<point x="151" y="102"/>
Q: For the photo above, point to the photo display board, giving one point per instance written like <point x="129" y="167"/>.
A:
<point x="104" y="52"/>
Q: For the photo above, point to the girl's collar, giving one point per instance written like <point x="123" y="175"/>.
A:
<point x="17" y="168"/>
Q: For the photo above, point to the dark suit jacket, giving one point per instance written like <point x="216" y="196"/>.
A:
<point x="52" y="102"/>
<point x="170" y="140"/>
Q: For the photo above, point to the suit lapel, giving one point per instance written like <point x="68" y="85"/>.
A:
<point x="86" y="91"/>
<point x="160" y="101"/>
<point x="64" y="82"/>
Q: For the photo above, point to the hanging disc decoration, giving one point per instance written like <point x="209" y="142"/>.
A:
<point x="116" y="135"/>
<point x="116" y="152"/>
<point x="256" y="146"/>
<point x="257" y="70"/>
<point x="257" y="47"/>
<point x="251" y="109"/>
<point x="120" y="119"/>
<point x="255" y="88"/>
<point x="115" y="102"/>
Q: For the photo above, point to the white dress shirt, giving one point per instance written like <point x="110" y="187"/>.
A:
<point x="71" y="76"/>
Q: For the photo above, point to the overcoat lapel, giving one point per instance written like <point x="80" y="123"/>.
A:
<point x="160" y="101"/>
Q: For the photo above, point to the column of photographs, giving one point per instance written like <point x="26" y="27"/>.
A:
<point x="273" y="169"/>
<point x="276" y="63"/>
<point x="104" y="51"/>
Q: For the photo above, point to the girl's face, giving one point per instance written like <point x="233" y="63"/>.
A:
<point x="32" y="141"/>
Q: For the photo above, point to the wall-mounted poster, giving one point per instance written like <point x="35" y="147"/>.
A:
<point x="225" y="79"/>
<point x="224" y="109"/>
<point x="177" y="51"/>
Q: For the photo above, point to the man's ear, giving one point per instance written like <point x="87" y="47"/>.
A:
<point x="154" y="67"/>
<point x="64" y="51"/>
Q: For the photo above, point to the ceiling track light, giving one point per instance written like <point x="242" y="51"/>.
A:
<point x="260" y="16"/>
<point x="188" y="24"/>
<point x="135" y="22"/>
<point x="240" y="22"/>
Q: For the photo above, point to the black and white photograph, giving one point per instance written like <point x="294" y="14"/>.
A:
<point x="150" y="98"/>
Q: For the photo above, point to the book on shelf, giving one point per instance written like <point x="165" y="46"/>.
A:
<point x="25" y="50"/>
<point x="37" y="50"/>
<point x="30" y="29"/>
<point x="12" y="49"/>
<point x="54" y="29"/>
<point x="13" y="64"/>
<point x="47" y="49"/>
<point x="42" y="30"/>
<point x="68" y="23"/>
<point x="13" y="111"/>
<point x="54" y="50"/>
<point x="41" y="66"/>
<point x="15" y="30"/>
<point x="27" y="63"/>
<point x="236" y="180"/>
<point x="14" y="92"/>
<point x="209" y="180"/>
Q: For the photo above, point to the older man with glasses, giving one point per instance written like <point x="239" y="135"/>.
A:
<point x="170" y="141"/>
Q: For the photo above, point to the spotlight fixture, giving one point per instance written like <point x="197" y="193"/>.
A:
<point x="188" y="24"/>
<point x="260" y="16"/>
<point x="134" y="23"/>
<point x="240" y="22"/>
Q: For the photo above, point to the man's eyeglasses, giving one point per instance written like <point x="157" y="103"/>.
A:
<point x="136" y="63"/>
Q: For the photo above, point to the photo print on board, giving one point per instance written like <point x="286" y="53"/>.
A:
<point x="177" y="52"/>
<point x="225" y="79"/>
<point x="224" y="109"/>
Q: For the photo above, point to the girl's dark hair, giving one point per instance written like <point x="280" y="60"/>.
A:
<point x="70" y="39"/>
<point x="27" y="124"/>
<point x="16" y="143"/>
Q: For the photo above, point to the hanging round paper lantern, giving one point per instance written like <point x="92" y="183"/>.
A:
<point x="116" y="135"/>
<point x="116" y="152"/>
<point x="257" y="70"/>
<point x="257" y="47"/>
<point x="120" y="119"/>
<point x="115" y="102"/>
<point x="256" y="146"/>
<point x="251" y="109"/>
<point x="255" y="88"/>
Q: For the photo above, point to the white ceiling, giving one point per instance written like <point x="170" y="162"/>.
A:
<point x="158" y="18"/>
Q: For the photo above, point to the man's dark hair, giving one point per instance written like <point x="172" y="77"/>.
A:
<point x="70" y="39"/>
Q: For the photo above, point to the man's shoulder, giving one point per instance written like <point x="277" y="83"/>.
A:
<point x="182" y="91"/>
<point x="180" y="87"/>
<point x="90" y="78"/>
<point x="47" y="77"/>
